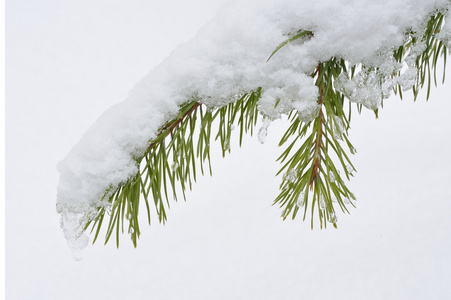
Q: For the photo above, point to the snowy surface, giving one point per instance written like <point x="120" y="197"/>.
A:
<point x="67" y="63"/>
<point x="227" y="57"/>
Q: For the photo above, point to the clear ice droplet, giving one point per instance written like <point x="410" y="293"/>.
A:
<point x="333" y="218"/>
<point x="300" y="202"/>
<point x="322" y="203"/>
<point x="339" y="128"/>
<point x="339" y="124"/>
<point x="350" y="169"/>
<point x="263" y="132"/>
<point x="291" y="175"/>
<point x="331" y="176"/>
<point x="226" y="145"/>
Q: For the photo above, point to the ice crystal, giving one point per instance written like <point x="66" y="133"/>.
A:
<point x="331" y="176"/>
<point x="263" y="132"/>
<point x="291" y="175"/>
<point x="339" y="128"/>
<point x="350" y="169"/>
<point x="226" y="145"/>
<point x="300" y="202"/>
<point x="322" y="203"/>
<point x="308" y="113"/>
<point x="333" y="218"/>
<point x="175" y="166"/>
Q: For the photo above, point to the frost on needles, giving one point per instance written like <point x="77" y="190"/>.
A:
<point x="308" y="60"/>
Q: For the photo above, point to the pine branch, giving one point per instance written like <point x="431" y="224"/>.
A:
<point x="170" y="162"/>
<point x="311" y="176"/>
<point x="314" y="158"/>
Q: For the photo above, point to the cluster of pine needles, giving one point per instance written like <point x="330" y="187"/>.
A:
<point x="315" y="162"/>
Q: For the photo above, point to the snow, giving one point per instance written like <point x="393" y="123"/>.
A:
<point x="227" y="58"/>
<point x="445" y="33"/>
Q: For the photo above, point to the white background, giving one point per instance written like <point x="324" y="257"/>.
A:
<point x="68" y="61"/>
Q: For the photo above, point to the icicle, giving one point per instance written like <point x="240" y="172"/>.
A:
<point x="350" y="169"/>
<point x="175" y="166"/>
<point x="300" y="202"/>
<point x="73" y="232"/>
<point x="226" y="145"/>
<point x="263" y="132"/>
<point x="291" y="175"/>
<point x="331" y="176"/>
<point x="339" y="128"/>
<point x="322" y="203"/>
<point x="333" y="218"/>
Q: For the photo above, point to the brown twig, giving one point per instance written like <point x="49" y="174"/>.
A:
<point x="171" y="125"/>
<point x="318" y="140"/>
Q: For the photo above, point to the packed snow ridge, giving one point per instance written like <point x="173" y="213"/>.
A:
<point x="228" y="57"/>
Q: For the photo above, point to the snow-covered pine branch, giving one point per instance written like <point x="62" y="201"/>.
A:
<point x="322" y="54"/>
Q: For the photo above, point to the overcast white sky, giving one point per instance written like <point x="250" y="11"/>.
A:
<point x="68" y="61"/>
